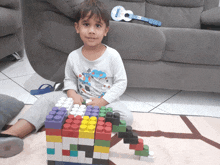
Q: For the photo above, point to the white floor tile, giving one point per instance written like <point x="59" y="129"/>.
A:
<point x="3" y="77"/>
<point x="18" y="68"/>
<point x="31" y="82"/>
<point x="10" y="88"/>
<point x="193" y="103"/>
<point x="135" y="105"/>
<point x="152" y="97"/>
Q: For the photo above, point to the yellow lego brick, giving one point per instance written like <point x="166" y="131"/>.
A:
<point x="57" y="139"/>
<point x="82" y="130"/>
<point x="86" y="118"/>
<point x="93" y="118"/>
<point x="101" y="149"/>
<point x="92" y="123"/>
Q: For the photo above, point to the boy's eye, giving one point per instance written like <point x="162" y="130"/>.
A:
<point x="86" y="24"/>
<point x="98" y="26"/>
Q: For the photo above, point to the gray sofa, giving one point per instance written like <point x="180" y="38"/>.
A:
<point x="11" y="39"/>
<point x="178" y="55"/>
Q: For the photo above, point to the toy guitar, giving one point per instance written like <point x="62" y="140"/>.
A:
<point x="119" y="13"/>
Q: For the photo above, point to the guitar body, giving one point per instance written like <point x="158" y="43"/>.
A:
<point x="119" y="13"/>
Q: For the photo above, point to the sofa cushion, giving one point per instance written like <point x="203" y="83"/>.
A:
<point x="9" y="108"/>
<point x="192" y="46"/>
<point x="176" y="14"/>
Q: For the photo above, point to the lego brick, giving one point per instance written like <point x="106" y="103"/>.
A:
<point x="145" y="151"/>
<point x="97" y="155"/>
<point x="56" y="118"/>
<point x="81" y="156"/>
<point x="50" y="145"/>
<point x="66" y="152"/>
<point x="85" y="141"/>
<point x="54" y="132"/>
<point x="73" y="147"/>
<point x="73" y="153"/>
<point x="57" y="139"/>
<point x="66" y="158"/>
<point x="73" y="159"/>
<point x="88" y="160"/>
<point x="101" y="149"/>
<point x="50" y="151"/>
<point x="70" y="130"/>
<point x="58" y="152"/>
<point x="67" y="141"/>
<point x="88" y="150"/>
<point x="105" y="156"/>
<point x="103" y="132"/>
<point x="103" y="143"/>
<point x="49" y="162"/>
<point x="139" y="146"/>
<point x="100" y="161"/>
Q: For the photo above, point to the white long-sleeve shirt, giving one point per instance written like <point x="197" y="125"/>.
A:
<point x="104" y="77"/>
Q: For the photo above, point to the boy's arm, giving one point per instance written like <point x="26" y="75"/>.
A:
<point x="119" y="82"/>
<point x="70" y="80"/>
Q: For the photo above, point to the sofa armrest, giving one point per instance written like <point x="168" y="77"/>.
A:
<point x="211" y="17"/>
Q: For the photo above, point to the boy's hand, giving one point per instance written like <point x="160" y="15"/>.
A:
<point x="77" y="99"/>
<point x="97" y="102"/>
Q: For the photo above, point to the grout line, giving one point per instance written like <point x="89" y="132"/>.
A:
<point x="165" y="101"/>
<point x="17" y="83"/>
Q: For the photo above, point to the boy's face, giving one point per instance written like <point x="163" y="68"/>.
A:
<point x="91" y="30"/>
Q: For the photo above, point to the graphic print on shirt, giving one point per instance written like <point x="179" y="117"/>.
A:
<point x="90" y="83"/>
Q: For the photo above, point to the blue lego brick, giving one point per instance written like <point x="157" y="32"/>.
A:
<point x="56" y="118"/>
<point x="50" y="151"/>
<point x="69" y="163"/>
<point x="74" y="153"/>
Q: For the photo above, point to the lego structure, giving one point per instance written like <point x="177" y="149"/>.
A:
<point x="78" y="135"/>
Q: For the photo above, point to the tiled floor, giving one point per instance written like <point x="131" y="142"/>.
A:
<point x="18" y="78"/>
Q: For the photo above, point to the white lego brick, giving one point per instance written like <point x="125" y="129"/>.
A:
<point x="76" y="105"/>
<point x="58" y="151"/>
<point x="88" y="142"/>
<point x="81" y="156"/>
<point x="97" y="155"/>
<point x="50" y="145"/>
<point x="83" y="106"/>
<point x="69" y="99"/>
<point x="51" y="157"/>
<point x="88" y="160"/>
<point x="74" y="159"/>
<point x="67" y="141"/>
<point x="66" y="158"/>
<point x="80" y="113"/>
<point x="149" y="158"/>
<point x="63" y="98"/>
<point x="104" y="156"/>
<point x="59" y="105"/>
<point x="88" y="100"/>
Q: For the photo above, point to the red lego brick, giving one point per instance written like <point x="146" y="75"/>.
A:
<point x="104" y="132"/>
<point x="101" y="119"/>
<point x="70" y="130"/>
<point x="53" y="132"/>
<point x="66" y="152"/>
<point x="139" y="146"/>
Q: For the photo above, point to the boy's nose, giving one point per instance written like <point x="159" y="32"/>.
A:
<point x="91" y="30"/>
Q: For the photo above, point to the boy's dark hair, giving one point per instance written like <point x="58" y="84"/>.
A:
<point x="96" y="7"/>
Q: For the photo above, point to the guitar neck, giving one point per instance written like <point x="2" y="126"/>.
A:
<point x="148" y="20"/>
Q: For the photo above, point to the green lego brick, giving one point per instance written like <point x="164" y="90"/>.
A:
<point x="115" y="128"/>
<point x="145" y="152"/>
<point x="50" y="151"/>
<point x="122" y="126"/>
<point x="84" y="102"/>
<point x="103" y="108"/>
<point x="109" y="109"/>
<point x="102" y="143"/>
<point x="102" y="115"/>
<point x="73" y="147"/>
<point x="102" y="111"/>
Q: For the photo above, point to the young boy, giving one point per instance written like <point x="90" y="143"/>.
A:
<point x="94" y="71"/>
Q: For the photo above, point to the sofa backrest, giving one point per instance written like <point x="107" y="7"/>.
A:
<point x="172" y="13"/>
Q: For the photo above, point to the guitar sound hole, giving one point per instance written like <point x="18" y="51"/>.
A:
<point x="127" y="15"/>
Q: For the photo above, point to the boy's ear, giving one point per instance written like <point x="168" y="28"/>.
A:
<point x="76" y="25"/>
<point x="106" y="31"/>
